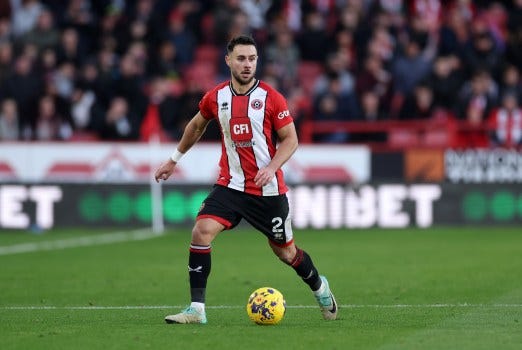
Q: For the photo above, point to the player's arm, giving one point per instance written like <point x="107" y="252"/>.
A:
<point x="193" y="131"/>
<point x="287" y="146"/>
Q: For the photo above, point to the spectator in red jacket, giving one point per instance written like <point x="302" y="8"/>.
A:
<point x="505" y="122"/>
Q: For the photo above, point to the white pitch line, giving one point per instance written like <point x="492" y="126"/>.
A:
<point x="345" y="306"/>
<point x="84" y="241"/>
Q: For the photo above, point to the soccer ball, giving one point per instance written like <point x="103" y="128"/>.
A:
<point x="266" y="306"/>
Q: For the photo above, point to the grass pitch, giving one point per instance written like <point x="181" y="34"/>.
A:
<point x="397" y="289"/>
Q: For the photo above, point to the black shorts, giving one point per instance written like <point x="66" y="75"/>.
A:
<point x="268" y="214"/>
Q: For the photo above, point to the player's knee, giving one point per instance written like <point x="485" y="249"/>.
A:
<point x="286" y="254"/>
<point x="204" y="231"/>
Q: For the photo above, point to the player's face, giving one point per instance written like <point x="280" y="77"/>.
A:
<point x="242" y="62"/>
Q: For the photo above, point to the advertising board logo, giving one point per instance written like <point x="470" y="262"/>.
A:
<point x="498" y="206"/>
<point x="368" y="206"/>
<point x="12" y="211"/>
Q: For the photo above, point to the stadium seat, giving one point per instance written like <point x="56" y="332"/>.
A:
<point x="84" y="136"/>
<point x="204" y="74"/>
<point x="206" y="54"/>
<point x="307" y="74"/>
<point x="436" y="138"/>
<point x="402" y="137"/>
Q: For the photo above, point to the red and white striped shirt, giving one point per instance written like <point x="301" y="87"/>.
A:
<point x="248" y="140"/>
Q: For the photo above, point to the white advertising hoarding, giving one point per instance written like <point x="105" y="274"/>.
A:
<point x="134" y="163"/>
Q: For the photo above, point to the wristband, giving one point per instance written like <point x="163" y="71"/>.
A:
<point x="176" y="156"/>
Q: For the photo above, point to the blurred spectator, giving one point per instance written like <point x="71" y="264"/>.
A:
<point x="344" y="44"/>
<point x="146" y="22"/>
<point x="370" y="111"/>
<point x="78" y="15"/>
<point x="9" y="124"/>
<point x="381" y="44"/>
<point x="514" y="40"/>
<point x="165" y="62"/>
<point x="446" y="80"/>
<point x="5" y="9"/>
<point x="129" y="84"/>
<point x="137" y="50"/>
<point x="5" y="30"/>
<point x="334" y="104"/>
<point x="224" y="13"/>
<point x="111" y="33"/>
<point x="69" y="47"/>
<point x="335" y="65"/>
<point x="63" y="80"/>
<point x="477" y="97"/>
<point x="47" y="64"/>
<point x="482" y="52"/>
<point x="83" y="106"/>
<point x="511" y="81"/>
<point x="181" y="37"/>
<point x="25" y="87"/>
<point x="419" y="104"/>
<point x="256" y="11"/>
<point x="118" y="123"/>
<point x="107" y="64"/>
<point x="50" y="125"/>
<point x="283" y="55"/>
<point x="44" y="35"/>
<point x="429" y="11"/>
<point x="496" y="18"/>
<point x="161" y="116"/>
<point x="454" y="32"/>
<point x="87" y="77"/>
<point x="24" y="15"/>
<point x="6" y="60"/>
<point x="313" y="40"/>
<point x="411" y="66"/>
<point x="374" y="78"/>
<point x="505" y="122"/>
<point x="349" y="18"/>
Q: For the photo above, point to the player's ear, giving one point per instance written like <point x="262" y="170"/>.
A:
<point x="227" y="60"/>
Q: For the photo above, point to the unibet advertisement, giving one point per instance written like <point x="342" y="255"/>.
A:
<point x="40" y="207"/>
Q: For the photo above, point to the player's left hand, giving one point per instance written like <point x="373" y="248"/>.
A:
<point x="264" y="176"/>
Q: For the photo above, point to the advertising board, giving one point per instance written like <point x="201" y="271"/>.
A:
<point x="44" y="206"/>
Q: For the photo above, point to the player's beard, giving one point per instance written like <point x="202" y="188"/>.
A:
<point x="241" y="80"/>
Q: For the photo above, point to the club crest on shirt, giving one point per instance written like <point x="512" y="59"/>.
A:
<point x="256" y="104"/>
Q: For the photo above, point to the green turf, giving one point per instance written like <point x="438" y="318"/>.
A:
<point x="399" y="289"/>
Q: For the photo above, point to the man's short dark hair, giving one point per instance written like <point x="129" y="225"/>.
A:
<point x="240" y="40"/>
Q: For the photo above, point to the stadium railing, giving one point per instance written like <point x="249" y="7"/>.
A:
<point x="400" y="134"/>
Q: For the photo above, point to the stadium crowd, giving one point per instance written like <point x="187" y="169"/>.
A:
<point x="128" y="69"/>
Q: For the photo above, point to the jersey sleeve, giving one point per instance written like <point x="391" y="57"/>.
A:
<point x="207" y="105"/>
<point x="281" y="114"/>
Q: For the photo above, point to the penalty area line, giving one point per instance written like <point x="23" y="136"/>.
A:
<point x="75" y="242"/>
<point x="344" y="306"/>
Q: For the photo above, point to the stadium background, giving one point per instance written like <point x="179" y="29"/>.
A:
<point x="390" y="98"/>
<point x="406" y="187"/>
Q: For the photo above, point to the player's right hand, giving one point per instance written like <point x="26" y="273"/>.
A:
<point x="165" y="170"/>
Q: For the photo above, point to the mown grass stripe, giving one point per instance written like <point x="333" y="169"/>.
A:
<point x="84" y="241"/>
<point x="346" y="306"/>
